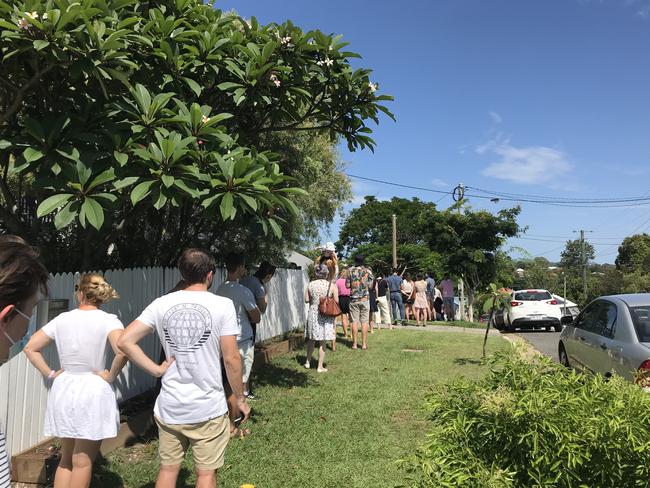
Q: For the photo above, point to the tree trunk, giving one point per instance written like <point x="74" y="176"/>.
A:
<point x="471" y="296"/>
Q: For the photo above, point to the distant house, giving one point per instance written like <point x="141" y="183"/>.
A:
<point x="295" y="259"/>
<point x="520" y="272"/>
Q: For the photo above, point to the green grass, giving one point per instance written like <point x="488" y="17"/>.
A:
<point x="455" y="323"/>
<point x="344" y="428"/>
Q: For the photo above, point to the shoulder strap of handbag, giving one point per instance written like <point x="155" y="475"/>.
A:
<point x="329" y="289"/>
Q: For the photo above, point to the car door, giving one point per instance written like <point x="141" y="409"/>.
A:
<point x="602" y="350"/>
<point x="576" y="343"/>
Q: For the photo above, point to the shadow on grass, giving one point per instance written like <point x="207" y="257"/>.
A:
<point x="274" y="375"/>
<point x="103" y="477"/>
<point x="464" y="361"/>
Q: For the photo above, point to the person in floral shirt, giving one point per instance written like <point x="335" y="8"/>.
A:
<point x="359" y="282"/>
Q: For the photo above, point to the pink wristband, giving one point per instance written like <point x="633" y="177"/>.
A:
<point x="51" y="375"/>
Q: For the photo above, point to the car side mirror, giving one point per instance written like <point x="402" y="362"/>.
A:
<point x="567" y="320"/>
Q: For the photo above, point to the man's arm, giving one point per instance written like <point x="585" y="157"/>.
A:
<point x="232" y="362"/>
<point x="254" y="315"/>
<point x="128" y="344"/>
<point x="262" y="303"/>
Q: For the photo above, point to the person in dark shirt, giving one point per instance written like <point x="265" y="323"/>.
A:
<point x="395" y="286"/>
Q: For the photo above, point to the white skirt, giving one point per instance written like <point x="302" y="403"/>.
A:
<point x="81" y="406"/>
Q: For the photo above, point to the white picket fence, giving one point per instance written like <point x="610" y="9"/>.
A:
<point x="23" y="392"/>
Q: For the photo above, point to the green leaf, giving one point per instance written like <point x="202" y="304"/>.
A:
<point x="275" y="228"/>
<point x="124" y="182"/>
<point x="228" y="85"/>
<point x="141" y="191"/>
<point x="121" y="158"/>
<point x="65" y="216"/>
<point x="4" y="144"/>
<point x="52" y="203"/>
<point x="194" y="86"/>
<point x="93" y="212"/>
<point x="102" y="178"/>
<point x="226" y="206"/>
<point x="40" y="44"/>
<point x="167" y="180"/>
<point x="250" y="201"/>
<point x="30" y="154"/>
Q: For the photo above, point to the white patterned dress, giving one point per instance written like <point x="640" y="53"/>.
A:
<point x="319" y="327"/>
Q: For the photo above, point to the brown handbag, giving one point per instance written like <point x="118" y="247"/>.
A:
<point x="328" y="305"/>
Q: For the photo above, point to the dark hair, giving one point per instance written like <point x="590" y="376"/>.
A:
<point x="395" y="270"/>
<point x="11" y="238"/>
<point x="359" y="259"/>
<point x="265" y="269"/>
<point x="407" y="276"/>
<point x="234" y="261"/>
<point x="195" y="264"/>
<point x="22" y="273"/>
<point x="419" y="276"/>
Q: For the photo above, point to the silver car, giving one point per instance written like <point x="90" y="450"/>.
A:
<point x="610" y="336"/>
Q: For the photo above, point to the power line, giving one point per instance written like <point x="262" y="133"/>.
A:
<point x="557" y="202"/>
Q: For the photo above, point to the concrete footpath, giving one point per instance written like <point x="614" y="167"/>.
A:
<point x="446" y="328"/>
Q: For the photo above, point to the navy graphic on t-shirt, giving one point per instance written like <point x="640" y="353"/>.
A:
<point x="187" y="326"/>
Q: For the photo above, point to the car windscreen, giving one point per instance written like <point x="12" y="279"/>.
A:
<point x="532" y="296"/>
<point x="641" y="321"/>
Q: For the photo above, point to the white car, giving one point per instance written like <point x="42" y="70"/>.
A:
<point x="532" y="309"/>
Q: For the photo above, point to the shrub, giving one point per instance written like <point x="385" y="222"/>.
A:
<point x="532" y="422"/>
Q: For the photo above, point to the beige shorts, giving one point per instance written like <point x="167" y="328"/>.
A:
<point x="208" y="440"/>
<point x="359" y="311"/>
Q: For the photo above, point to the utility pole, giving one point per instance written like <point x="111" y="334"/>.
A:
<point x="458" y="195"/>
<point x="583" y="258"/>
<point x="394" y="241"/>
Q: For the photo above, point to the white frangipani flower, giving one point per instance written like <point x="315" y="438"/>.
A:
<point x="205" y="119"/>
<point x="44" y="16"/>
<point x="32" y="15"/>
<point x="373" y="87"/>
<point x="329" y="62"/>
<point x="23" y="24"/>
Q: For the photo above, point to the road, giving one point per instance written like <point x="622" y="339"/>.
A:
<point x="544" y="342"/>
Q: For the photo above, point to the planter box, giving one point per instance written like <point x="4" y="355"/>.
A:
<point x="266" y="353"/>
<point x="38" y="463"/>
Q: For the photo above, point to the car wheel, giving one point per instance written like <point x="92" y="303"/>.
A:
<point x="563" y="356"/>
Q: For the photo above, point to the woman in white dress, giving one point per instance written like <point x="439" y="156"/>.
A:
<point x="319" y="327"/>
<point x="81" y="407"/>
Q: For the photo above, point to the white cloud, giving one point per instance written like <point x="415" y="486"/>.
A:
<point x="527" y="165"/>
<point x="496" y="117"/>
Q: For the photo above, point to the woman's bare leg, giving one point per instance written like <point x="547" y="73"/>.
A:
<point x="83" y="457"/>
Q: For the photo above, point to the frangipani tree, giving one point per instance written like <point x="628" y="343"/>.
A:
<point x="115" y="112"/>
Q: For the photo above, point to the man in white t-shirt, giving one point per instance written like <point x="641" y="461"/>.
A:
<point x="196" y="329"/>
<point x="257" y="283"/>
<point x="247" y="312"/>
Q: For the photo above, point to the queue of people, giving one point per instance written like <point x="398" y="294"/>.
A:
<point x="207" y="341"/>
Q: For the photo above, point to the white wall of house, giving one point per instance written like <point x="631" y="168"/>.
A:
<point x="23" y="392"/>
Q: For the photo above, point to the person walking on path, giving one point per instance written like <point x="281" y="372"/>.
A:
<point x="447" y="288"/>
<point x="257" y="284"/>
<point x="344" y="303"/>
<point x="397" y="303"/>
<point x="383" y="310"/>
<point x="247" y="314"/>
<point x="197" y="329"/>
<point x="81" y="405"/>
<point x="408" y="295"/>
<point x="421" y="303"/>
<point x="359" y="282"/>
<point x="22" y="276"/>
<point x="320" y="328"/>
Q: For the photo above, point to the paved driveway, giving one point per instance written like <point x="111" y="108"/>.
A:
<point x="544" y="342"/>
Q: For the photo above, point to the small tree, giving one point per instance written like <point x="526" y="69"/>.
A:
<point x="495" y="299"/>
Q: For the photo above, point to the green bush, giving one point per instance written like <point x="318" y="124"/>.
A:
<point x="534" y="423"/>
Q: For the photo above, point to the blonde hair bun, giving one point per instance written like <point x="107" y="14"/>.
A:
<point x="95" y="289"/>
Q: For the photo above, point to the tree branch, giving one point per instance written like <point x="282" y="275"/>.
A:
<point x="18" y="99"/>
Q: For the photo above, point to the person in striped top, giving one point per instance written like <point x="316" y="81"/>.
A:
<point x="22" y="276"/>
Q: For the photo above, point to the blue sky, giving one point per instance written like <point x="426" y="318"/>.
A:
<point x="535" y="97"/>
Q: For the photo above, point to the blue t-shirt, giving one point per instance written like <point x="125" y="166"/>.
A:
<point x="431" y="284"/>
<point x="394" y="282"/>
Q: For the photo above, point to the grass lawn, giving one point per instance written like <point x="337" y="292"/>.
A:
<point x="344" y="428"/>
<point x="455" y="323"/>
